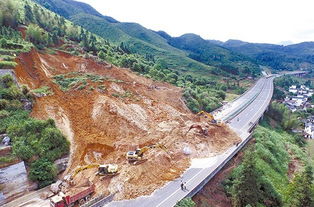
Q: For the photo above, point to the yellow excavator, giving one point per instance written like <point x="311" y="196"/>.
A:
<point x="137" y="155"/>
<point x="199" y="128"/>
<point x="211" y="118"/>
<point x="106" y="169"/>
<point x="103" y="170"/>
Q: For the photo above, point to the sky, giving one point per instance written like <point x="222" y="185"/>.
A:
<point x="263" y="21"/>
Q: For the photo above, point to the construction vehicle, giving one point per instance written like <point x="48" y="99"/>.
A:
<point x="103" y="170"/>
<point x="200" y="129"/>
<point x="107" y="169"/>
<point x="137" y="155"/>
<point x="79" y="169"/>
<point x="78" y="197"/>
<point x="210" y="117"/>
<point x="61" y="199"/>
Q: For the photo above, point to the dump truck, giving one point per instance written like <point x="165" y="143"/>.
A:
<point x="77" y="196"/>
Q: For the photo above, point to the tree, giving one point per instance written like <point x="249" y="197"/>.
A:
<point x="246" y="188"/>
<point x="7" y="81"/>
<point x="278" y="94"/>
<point x="73" y="33"/>
<point x="29" y="16"/>
<point x="300" y="190"/>
<point x="52" y="143"/>
<point x="9" y="13"/>
<point x="23" y="151"/>
<point x="186" y="202"/>
<point x="43" y="171"/>
<point x="101" y="55"/>
<point x="36" y="35"/>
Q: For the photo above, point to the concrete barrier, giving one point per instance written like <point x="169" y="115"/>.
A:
<point x="211" y="175"/>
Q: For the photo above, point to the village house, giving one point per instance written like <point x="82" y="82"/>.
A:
<point x="299" y="99"/>
<point x="309" y="127"/>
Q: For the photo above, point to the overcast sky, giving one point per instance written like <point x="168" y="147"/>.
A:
<point x="271" y="21"/>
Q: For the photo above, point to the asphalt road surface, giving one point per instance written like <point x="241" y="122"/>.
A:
<point x="235" y="105"/>
<point x="243" y="121"/>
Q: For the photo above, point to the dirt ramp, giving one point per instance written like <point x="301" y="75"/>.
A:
<point x="107" y="112"/>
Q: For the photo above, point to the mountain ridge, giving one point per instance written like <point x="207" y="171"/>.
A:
<point x="145" y="41"/>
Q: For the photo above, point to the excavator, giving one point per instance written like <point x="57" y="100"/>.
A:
<point x="104" y="170"/>
<point x="210" y="117"/>
<point x="137" y="155"/>
<point x="199" y="128"/>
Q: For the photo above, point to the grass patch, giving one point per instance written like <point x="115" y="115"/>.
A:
<point x="126" y="95"/>
<point x="117" y="95"/>
<point x="7" y="64"/>
<point x="44" y="91"/>
<point x="230" y="97"/>
<point x="7" y="159"/>
<point x="7" y="57"/>
<point x="80" y="81"/>
<point x="6" y="51"/>
<point x="50" y="51"/>
<point x="116" y="80"/>
<point x="310" y="151"/>
<point x="101" y="88"/>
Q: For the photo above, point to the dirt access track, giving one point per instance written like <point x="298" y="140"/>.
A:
<point x="106" y="117"/>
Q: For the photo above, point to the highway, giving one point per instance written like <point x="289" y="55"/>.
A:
<point x="243" y="113"/>
<point x="250" y="115"/>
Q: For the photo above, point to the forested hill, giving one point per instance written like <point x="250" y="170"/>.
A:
<point x="279" y="57"/>
<point x="209" y="53"/>
<point x="67" y="8"/>
<point x="216" y="60"/>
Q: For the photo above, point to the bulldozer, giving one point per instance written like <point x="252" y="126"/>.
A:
<point x="211" y="119"/>
<point x="137" y="155"/>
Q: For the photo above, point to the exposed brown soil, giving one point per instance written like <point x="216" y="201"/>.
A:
<point x="102" y="127"/>
<point x="5" y="150"/>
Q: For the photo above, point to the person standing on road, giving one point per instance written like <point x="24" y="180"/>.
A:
<point x="182" y="185"/>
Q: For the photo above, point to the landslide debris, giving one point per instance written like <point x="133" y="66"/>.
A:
<point x="105" y="112"/>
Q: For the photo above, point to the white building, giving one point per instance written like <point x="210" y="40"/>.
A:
<point x="293" y="89"/>
<point x="309" y="130"/>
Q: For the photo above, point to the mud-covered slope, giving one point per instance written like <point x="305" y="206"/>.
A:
<point x="117" y="111"/>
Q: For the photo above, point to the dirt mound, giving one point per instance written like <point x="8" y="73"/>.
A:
<point x="107" y="112"/>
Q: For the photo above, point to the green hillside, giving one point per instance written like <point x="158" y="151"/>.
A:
<point x="290" y="57"/>
<point x="208" y="53"/>
<point x="149" y="43"/>
<point x="165" y="55"/>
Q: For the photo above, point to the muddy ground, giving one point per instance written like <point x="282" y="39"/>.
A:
<point x="118" y="113"/>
